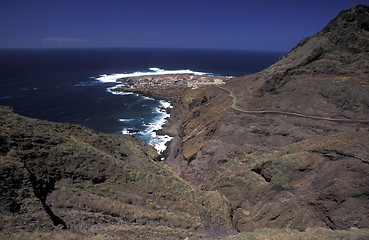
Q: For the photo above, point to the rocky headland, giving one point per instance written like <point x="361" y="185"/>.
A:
<point x="280" y="154"/>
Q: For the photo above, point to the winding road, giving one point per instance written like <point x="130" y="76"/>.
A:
<point x="291" y="114"/>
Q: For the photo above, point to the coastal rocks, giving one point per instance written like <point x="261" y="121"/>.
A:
<point x="234" y="164"/>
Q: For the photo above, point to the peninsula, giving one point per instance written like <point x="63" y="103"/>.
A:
<point x="280" y="154"/>
<point x="176" y="80"/>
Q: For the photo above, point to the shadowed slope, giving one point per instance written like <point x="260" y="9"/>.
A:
<point x="62" y="176"/>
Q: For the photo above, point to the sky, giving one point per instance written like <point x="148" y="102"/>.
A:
<point x="268" y="25"/>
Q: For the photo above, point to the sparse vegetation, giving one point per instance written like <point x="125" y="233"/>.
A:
<point x="267" y="176"/>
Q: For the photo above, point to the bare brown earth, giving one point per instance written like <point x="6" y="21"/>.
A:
<point x="263" y="155"/>
<point x="288" y="147"/>
<point x="290" y="114"/>
<point x="308" y="234"/>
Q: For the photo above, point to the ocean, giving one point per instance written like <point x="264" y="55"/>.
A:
<point x="77" y="85"/>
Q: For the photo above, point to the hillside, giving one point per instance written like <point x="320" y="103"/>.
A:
<point x="288" y="146"/>
<point x="325" y="74"/>
<point x="66" y="181"/>
<point x="280" y="154"/>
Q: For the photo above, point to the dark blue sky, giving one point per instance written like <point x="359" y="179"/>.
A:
<point x="275" y="25"/>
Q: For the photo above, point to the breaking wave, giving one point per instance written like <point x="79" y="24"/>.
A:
<point x="110" y="78"/>
<point x="159" y="141"/>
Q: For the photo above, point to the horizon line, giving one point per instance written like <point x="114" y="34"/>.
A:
<point x="158" y="48"/>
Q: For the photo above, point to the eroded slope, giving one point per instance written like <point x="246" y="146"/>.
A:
<point x="93" y="185"/>
<point x="280" y="170"/>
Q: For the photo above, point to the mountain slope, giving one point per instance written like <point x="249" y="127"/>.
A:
<point x="61" y="176"/>
<point x="263" y="153"/>
<point x="327" y="73"/>
<point x="269" y="142"/>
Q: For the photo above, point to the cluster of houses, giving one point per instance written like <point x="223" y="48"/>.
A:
<point x="163" y="81"/>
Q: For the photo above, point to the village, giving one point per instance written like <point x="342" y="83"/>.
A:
<point x="183" y="80"/>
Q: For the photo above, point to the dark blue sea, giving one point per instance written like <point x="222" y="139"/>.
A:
<point x="68" y="85"/>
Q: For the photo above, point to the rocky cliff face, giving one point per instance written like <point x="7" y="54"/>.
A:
<point x="283" y="170"/>
<point x="66" y="181"/>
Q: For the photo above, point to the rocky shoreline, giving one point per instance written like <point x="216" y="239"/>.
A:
<point x="282" y="170"/>
<point x="173" y="93"/>
<point x="226" y="175"/>
<point x="169" y="94"/>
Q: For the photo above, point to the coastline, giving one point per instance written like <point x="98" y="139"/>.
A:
<point x="161" y="85"/>
<point x="170" y="95"/>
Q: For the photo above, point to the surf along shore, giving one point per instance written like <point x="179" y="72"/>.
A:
<point x="167" y="88"/>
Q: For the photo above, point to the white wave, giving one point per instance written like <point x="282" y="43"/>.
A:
<point x="157" y="125"/>
<point x="119" y="92"/>
<point x="150" y="133"/>
<point x="159" y="110"/>
<point x="146" y="98"/>
<point x="117" y="86"/>
<point x="153" y="71"/>
<point x="126" y="120"/>
<point x="156" y="69"/>
<point x="110" y="78"/>
<point x="125" y="131"/>
<point x="130" y="131"/>
<point x="158" y="141"/>
<point x="165" y="104"/>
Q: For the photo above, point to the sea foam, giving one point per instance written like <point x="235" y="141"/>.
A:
<point x="153" y="71"/>
<point x="126" y="120"/>
<point x="113" y="90"/>
<point x="159" y="142"/>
